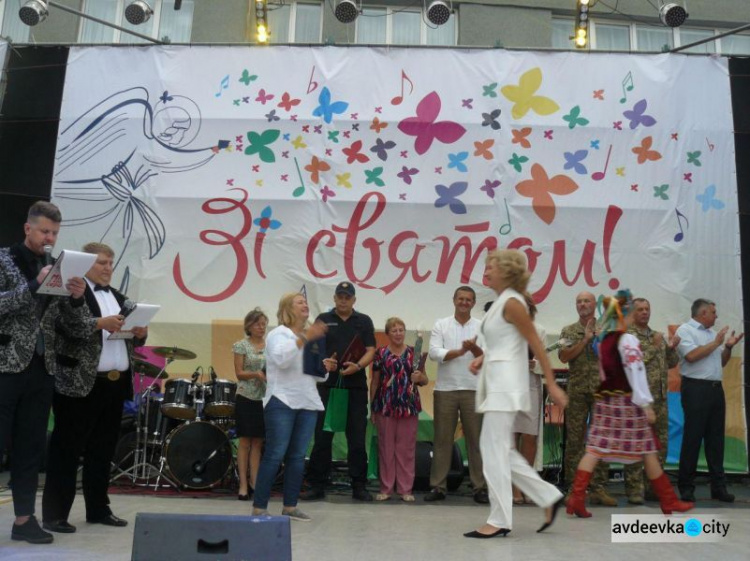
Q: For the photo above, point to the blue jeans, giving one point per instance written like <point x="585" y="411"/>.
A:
<point x="288" y="434"/>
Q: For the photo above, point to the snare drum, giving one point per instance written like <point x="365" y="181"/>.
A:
<point x="178" y="400"/>
<point x="220" y="398"/>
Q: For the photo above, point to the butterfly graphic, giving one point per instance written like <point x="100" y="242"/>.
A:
<point x="457" y="161"/>
<point x="263" y="98"/>
<point x="594" y="144"/>
<point x="406" y="174"/>
<point x="342" y="180"/>
<point x="246" y="77"/>
<point x="318" y="129"/>
<point x="490" y="186"/>
<point x="599" y="94"/>
<point x="448" y="196"/>
<point x="617" y="125"/>
<point x="264" y="222"/>
<point x="620" y="172"/>
<point x="573" y="161"/>
<point x="246" y="99"/>
<point x="687" y="177"/>
<point x="644" y="151"/>
<point x="540" y="189"/>
<point x="692" y="158"/>
<point x="236" y="102"/>
<point x="489" y="90"/>
<point x="490" y="119"/>
<point x="373" y="176"/>
<point x="516" y="162"/>
<point x="259" y="144"/>
<point x="467" y="103"/>
<point x="272" y="116"/>
<point x="165" y="97"/>
<point x="524" y="98"/>
<point x="548" y="134"/>
<point x="708" y="200"/>
<point x="483" y="148"/>
<point x="333" y="136"/>
<point x="287" y="102"/>
<point x="377" y="125"/>
<point x="298" y="143"/>
<point x="637" y="115"/>
<point x="326" y="109"/>
<point x="520" y="137"/>
<point x="402" y="196"/>
<point x="381" y="148"/>
<point x="574" y="118"/>
<point x="424" y="127"/>
<point x="353" y="153"/>
<point x="315" y="167"/>
<point x="660" y="192"/>
<point x="325" y="193"/>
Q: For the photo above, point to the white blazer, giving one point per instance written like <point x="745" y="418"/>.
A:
<point x="504" y="377"/>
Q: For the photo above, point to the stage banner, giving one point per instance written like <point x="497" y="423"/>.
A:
<point x="226" y="176"/>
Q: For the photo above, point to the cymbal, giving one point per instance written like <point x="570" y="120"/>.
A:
<point x="174" y="353"/>
<point x="148" y="369"/>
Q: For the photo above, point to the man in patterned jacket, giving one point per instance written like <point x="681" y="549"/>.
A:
<point x="89" y="393"/>
<point x="28" y="357"/>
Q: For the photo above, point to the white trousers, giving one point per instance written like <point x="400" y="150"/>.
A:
<point x="503" y="466"/>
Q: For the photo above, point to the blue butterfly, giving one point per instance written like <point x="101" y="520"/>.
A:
<point x="637" y="115"/>
<point x="381" y="148"/>
<point x="708" y="201"/>
<point x="457" y="161"/>
<point x="573" y="161"/>
<point x="326" y="109"/>
<point x="448" y="196"/>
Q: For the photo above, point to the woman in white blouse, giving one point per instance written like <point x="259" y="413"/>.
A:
<point x="290" y="406"/>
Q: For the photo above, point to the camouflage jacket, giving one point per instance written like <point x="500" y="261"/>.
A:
<point x="657" y="359"/>
<point x="583" y="370"/>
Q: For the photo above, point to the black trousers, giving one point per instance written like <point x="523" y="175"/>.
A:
<point x="85" y="427"/>
<point x="705" y="411"/>
<point x="319" y="466"/>
<point x="25" y="399"/>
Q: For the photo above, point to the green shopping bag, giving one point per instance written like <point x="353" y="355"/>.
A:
<point x="372" y="458"/>
<point x="337" y="409"/>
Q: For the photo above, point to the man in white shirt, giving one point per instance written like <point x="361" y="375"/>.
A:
<point x="453" y="346"/>
<point x="702" y="359"/>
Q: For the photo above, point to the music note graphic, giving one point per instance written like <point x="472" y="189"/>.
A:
<point x="710" y="146"/>
<point x="679" y="236"/>
<point x="224" y="85"/>
<point x="627" y="86"/>
<point x="399" y="98"/>
<point x="298" y="192"/>
<point x="312" y="85"/>
<point x="599" y="175"/>
<point x="506" y="228"/>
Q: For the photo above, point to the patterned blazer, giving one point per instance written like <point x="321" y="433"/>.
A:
<point x="19" y="322"/>
<point x="77" y="363"/>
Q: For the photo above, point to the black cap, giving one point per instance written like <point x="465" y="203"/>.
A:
<point x="345" y="288"/>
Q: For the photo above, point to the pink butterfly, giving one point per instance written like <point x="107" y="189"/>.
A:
<point x="424" y="127"/>
<point x="263" y="97"/>
<point x="406" y="174"/>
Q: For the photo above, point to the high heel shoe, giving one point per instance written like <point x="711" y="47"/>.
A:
<point x="555" y="507"/>
<point x="502" y="532"/>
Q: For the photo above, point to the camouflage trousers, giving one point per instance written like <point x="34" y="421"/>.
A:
<point x="580" y="409"/>
<point x="635" y="476"/>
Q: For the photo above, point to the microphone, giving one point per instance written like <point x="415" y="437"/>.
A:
<point x="198" y="372"/>
<point x="213" y="373"/>
<point x="47" y="254"/>
<point x="557" y="344"/>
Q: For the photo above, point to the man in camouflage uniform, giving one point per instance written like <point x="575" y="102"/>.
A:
<point x="583" y="381"/>
<point x="659" y="355"/>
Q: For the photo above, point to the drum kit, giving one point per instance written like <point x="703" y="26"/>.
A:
<point x="181" y="437"/>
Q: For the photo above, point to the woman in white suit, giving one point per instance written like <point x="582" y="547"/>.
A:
<point x="506" y="333"/>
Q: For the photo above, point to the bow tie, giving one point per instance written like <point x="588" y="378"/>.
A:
<point x="98" y="287"/>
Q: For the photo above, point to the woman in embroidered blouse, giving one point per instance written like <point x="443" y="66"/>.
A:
<point x="395" y="411"/>
<point x="250" y="369"/>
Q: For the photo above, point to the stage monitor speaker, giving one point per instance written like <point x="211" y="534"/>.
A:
<point x="201" y="537"/>
<point x="423" y="461"/>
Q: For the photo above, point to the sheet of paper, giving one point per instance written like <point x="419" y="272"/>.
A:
<point x="70" y="264"/>
<point x="141" y="316"/>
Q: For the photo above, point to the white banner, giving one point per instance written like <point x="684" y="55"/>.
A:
<point x="223" y="177"/>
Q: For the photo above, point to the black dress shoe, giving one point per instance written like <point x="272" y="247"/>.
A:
<point x="360" y="494"/>
<point x="502" y="532"/>
<point x="434" y="495"/>
<point x="722" y="495"/>
<point x="60" y="526"/>
<point x="109" y="520"/>
<point x="313" y="494"/>
<point x="243" y="497"/>
<point x="481" y="497"/>
<point x="555" y="508"/>
<point x="30" y="532"/>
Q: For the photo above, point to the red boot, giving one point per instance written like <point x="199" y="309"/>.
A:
<point x="667" y="497"/>
<point x="577" y="500"/>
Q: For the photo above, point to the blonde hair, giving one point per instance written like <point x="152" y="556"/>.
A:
<point x="96" y="248"/>
<point x="253" y="317"/>
<point x="512" y="265"/>
<point x="285" y="315"/>
<point x="391" y="322"/>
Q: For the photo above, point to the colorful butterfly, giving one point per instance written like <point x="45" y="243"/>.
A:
<point x="540" y="189"/>
<point x="692" y="158"/>
<point x="298" y="143"/>
<point x="617" y="125"/>
<point x="325" y="193"/>
<point x="548" y="134"/>
<point x="259" y="144"/>
<point x="599" y="94"/>
<point x="373" y="176"/>
<point x="287" y="102"/>
<point x="687" y="177"/>
<point x="263" y="97"/>
<point x="246" y="77"/>
<point x="516" y="162"/>
<point x="467" y="103"/>
<point x="489" y="90"/>
<point x="457" y="161"/>
<point x="637" y="115"/>
<point x="264" y="222"/>
<point x="406" y="174"/>
<point x="377" y="125"/>
<point x="490" y="119"/>
<point x="594" y="145"/>
<point x="424" y="127"/>
<point x="660" y="192"/>
<point x="326" y="109"/>
<point x="448" y="196"/>
<point x="381" y="148"/>
<point x="333" y="136"/>
<point x="315" y="167"/>
<point x="524" y="98"/>
<point x="708" y="200"/>
<point x="644" y="151"/>
<point x="574" y="119"/>
<point x="490" y="186"/>
<point x="272" y="116"/>
<point x="353" y="153"/>
<point x="483" y="148"/>
<point x="573" y="161"/>
<point x="342" y="180"/>
<point x="520" y="137"/>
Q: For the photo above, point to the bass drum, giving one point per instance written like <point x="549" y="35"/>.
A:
<point x="198" y="455"/>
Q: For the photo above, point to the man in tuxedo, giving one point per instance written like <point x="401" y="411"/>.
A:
<point x="28" y="344"/>
<point x="90" y="389"/>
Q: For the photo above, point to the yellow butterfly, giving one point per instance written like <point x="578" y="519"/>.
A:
<point x="298" y="143"/>
<point x="523" y="97"/>
<point x="342" y="180"/>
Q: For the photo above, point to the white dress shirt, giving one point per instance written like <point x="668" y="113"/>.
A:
<point x="693" y="335"/>
<point x="114" y="353"/>
<point x="447" y="335"/>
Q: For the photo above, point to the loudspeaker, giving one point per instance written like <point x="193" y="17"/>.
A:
<point x="198" y="537"/>
<point x="423" y="461"/>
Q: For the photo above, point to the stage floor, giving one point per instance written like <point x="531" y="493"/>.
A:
<point x="344" y="530"/>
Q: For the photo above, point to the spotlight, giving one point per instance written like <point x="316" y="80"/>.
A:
<point x="346" y="11"/>
<point x="138" y="12"/>
<point x="261" y="22"/>
<point x="438" y="13"/>
<point x="33" y="12"/>
<point x="672" y="15"/>
<point x="581" y="38"/>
